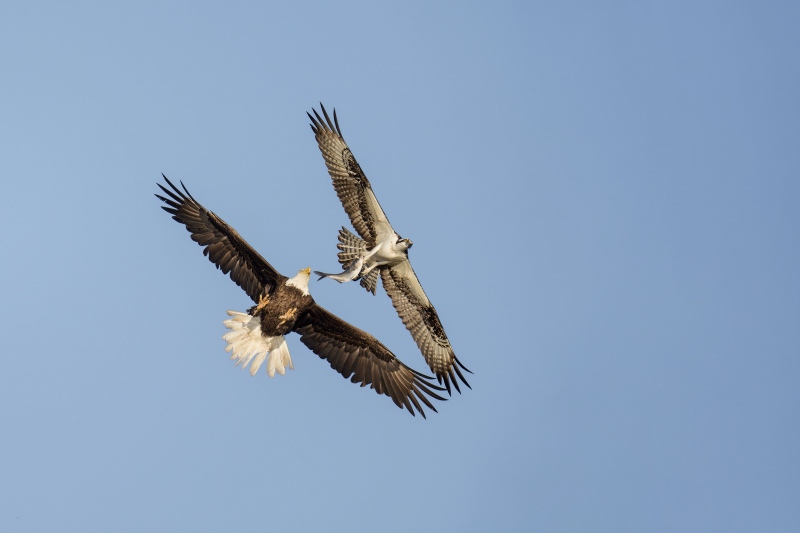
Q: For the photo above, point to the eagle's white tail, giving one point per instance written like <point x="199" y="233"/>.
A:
<point x="246" y="343"/>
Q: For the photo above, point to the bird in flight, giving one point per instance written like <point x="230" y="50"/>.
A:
<point x="283" y="305"/>
<point x="380" y="250"/>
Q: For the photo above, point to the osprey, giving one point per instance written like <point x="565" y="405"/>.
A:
<point x="381" y="250"/>
<point x="284" y="305"/>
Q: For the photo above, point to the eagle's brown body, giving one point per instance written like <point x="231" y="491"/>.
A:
<point x="278" y="312"/>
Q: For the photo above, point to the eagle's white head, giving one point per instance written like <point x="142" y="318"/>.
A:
<point x="301" y="281"/>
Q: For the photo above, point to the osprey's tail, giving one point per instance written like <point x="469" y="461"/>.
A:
<point x="246" y="343"/>
<point x="352" y="247"/>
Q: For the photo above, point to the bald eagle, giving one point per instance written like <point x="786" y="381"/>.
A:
<point x="380" y="250"/>
<point x="283" y="305"/>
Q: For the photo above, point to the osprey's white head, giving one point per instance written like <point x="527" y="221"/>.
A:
<point x="403" y="244"/>
<point x="301" y="281"/>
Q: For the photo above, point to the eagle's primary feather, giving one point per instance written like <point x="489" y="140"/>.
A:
<point x="283" y="305"/>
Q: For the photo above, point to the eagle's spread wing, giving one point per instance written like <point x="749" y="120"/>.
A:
<point x="353" y="352"/>
<point x="352" y="186"/>
<point x="420" y="318"/>
<point x="221" y="243"/>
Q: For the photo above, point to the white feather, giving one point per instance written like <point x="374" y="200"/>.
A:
<point x="279" y="358"/>
<point x="300" y="281"/>
<point x="246" y="344"/>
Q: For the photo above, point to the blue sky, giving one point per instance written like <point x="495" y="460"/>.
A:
<point x="603" y="199"/>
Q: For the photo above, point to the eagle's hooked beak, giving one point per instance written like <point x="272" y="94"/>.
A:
<point x="306" y="271"/>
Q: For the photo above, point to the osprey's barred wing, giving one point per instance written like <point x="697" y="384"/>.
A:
<point x="420" y="318"/>
<point x="352" y="186"/>
<point x="371" y="223"/>
<point x="221" y="243"/>
<point x="353" y="352"/>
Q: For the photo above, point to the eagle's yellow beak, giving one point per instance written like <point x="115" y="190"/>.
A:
<point x="306" y="271"/>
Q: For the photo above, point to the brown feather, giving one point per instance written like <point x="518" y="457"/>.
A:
<point x="283" y="308"/>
